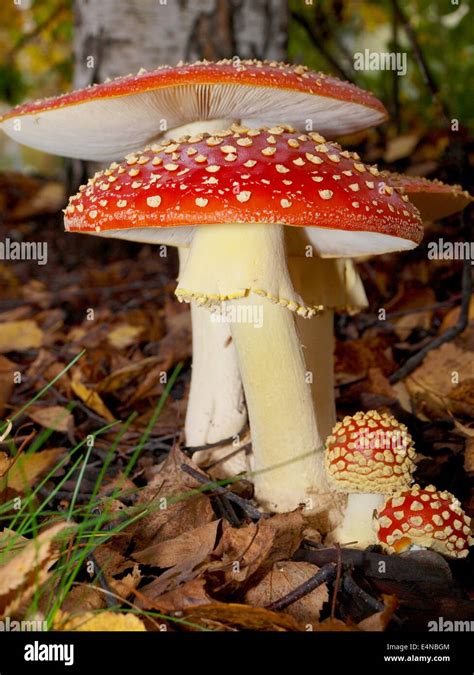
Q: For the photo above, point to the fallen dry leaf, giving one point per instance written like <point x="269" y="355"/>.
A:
<point x="102" y="621"/>
<point x="7" y="370"/>
<point x="380" y="620"/>
<point x="190" y="594"/>
<point x="124" y="335"/>
<point x="452" y="317"/>
<point x="232" y="616"/>
<point x="123" y="376"/>
<point x="11" y="543"/>
<point x="444" y="382"/>
<point x="54" y="417"/>
<point x="243" y="551"/>
<point x="193" y="545"/>
<point x="173" y="507"/>
<point x="469" y="456"/>
<point x="89" y="397"/>
<point x="283" y="578"/>
<point x="19" y="336"/>
<point x="28" y="468"/>
<point x="21" y="575"/>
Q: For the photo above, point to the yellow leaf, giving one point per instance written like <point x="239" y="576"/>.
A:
<point x="28" y="570"/>
<point x="124" y="335"/>
<point x="54" y="417"/>
<point x="104" y="621"/>
<point x="19" y="336"/>
<point x="28" y="468"/>
<point x="89" y="397"/>
<point x="123" y="376"/>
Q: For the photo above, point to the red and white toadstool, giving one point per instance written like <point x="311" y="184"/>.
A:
<point x="235" y="191"/>
<point x="434" y="199"/>
<point x="421" y="518"/>
<point x="105" y="121"/>
<point x="368" y="456"/>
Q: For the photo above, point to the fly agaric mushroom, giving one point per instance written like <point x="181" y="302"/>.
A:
<point x="237" y="190"/>
<point x="424" y="518"/>
<point x="368" y="456"/>
<point x="433" y="199"/>
<point x="105" y="121"/>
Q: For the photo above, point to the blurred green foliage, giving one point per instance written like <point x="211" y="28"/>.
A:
<point x="444" y="30"/>
<point x="35" y="48"/>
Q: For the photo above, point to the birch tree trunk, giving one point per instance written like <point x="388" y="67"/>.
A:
<point x="117" y="37"/>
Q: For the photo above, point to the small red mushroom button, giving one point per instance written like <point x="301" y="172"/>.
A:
<point x="368" y="456"/>
<point x="425" y="518"/>
<point x="370" y="452"/>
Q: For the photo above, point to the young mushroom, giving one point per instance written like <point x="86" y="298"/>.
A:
<point x="368" y="456"/>
<point x="106" y="121"/>
<point x="424" y="518"/>
<point x="237" y="198"/>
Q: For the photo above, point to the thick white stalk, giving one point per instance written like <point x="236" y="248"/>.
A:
<point x="334" y="285"/>
<point x="357" y="527"/>
<point x="287" y="445"/>
<point x="317" y="339"/>
<point x="216" y="408"/>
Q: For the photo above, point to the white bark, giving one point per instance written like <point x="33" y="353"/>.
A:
<point x="123" y="36"/>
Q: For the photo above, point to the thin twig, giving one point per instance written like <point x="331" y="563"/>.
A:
<point x="353" y="589"/>
<point x="227" y="510"/>
<point x="325" y="575"/>
<point x="244" y="504"/>
<point x="218" y="444"/>
<point x="414" y="361"/>
<point x="245" y="447"/>
<point x="102" y="581"/>
<point x="337" y="582"/>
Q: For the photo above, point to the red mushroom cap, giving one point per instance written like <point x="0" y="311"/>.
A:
<point x="424" y="517"/>
<point x="434" y="199"/>
<point x="370" y="452"/>
<point x="250" y="176"/>
<point x="105" y="121"/>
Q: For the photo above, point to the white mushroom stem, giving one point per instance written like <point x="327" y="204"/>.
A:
<point x="357" y="527"/>
<point x="287" y="445"/>
<point x="317" y="338"/>
<point x="199" y="127"/>
<point x="244" y="267"/>
<point x="333" y="284"/>
<point x="216" y="408"/>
